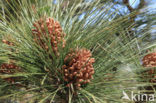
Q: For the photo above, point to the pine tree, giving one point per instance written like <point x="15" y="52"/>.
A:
<point x="49" y="54"/>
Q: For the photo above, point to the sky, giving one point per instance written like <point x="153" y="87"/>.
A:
<point x="150" y="3"/>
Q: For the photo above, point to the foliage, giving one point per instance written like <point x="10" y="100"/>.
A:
<point x="117" y="55"/>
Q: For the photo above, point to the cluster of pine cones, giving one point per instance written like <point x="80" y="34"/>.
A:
<point x="9" y="68"/>
<point x="78" y="64"/>
<point x="78" y="68"/>
<point x="49" y="30"/>
<point x="149" y="61"/>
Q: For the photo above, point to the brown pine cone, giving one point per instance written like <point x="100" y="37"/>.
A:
<point x="149" y="60"/>
<point x="78" y="68"/>
<point x="48" y="29"/>
<point x="9" y="69"/>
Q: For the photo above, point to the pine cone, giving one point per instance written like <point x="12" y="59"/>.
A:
<point x="48" y="29"/>
<point x="78" y="68"/>
<point x="9" y="69"/>
<point x="149" y="60"/>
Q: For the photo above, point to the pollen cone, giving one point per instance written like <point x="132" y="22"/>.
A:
<point x="78" y="68"/>
<point x="47" y="29"/>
